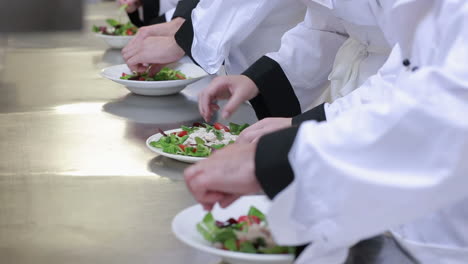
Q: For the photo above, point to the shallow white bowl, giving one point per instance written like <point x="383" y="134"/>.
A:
<point x="182" y="158"/>
<point x="184" y="228"/>
<point x="155" y="88"/>
<point x="115" y="42"/>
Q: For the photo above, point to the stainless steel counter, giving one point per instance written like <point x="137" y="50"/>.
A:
<point x="77" y="184"/>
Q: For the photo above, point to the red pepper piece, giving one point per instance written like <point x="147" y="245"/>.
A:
<point x="180" y="76"/>
<point x="182" y="133"/>
<point x="220" y="126"/>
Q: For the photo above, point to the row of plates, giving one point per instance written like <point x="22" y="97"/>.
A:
<point x="184" y="223"/>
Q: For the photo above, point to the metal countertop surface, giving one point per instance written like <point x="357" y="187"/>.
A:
<point x="77" y="183"/>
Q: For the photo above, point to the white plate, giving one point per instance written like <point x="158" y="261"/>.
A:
<point x="184" y="228"/>
<point x="182" y="158"/>
<point x="116" y="42"/>
<point x="155" y="88"/>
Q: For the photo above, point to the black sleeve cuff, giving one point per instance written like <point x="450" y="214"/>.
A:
<point x="184" y="37"/>
<point x="184" y="8"/>
<point x="299" y="250"/>
<point x="158" y="20"/>
<point x="317" y="113"/>
<point x="260" y="108"/>
<point x="150" y="11"/>
<point x="135" y="19"/>
<point x="272" y="168"/>
<point x="277" y="94"/>
<point x="150" y="14"/>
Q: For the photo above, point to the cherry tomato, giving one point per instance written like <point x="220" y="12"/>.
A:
<point x="220" y="126"/>
<point x="250" y="220"/>
<point x="130" y="32"/>
<point x="194" y="150"/>
<point x="182" y="147"/>
<point x="124" y="74"/>
<point x="182" y="133"/>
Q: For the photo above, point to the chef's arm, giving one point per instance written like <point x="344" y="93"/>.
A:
<point x="150" y="14"/>
<point x="204" y="24"/>
<point x="376" y="166"/>
<point x="237" y="20"/>
<point x="300" y="68"/>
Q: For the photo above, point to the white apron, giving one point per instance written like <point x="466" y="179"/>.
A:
<point x="360" y="57"/>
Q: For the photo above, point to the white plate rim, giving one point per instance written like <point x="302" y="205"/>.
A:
<point x="112" y="36"/>
<point x="182" y="158"/>
<point x="225" y="253"/>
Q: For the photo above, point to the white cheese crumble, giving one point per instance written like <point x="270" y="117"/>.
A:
<point x="210" y="137"/>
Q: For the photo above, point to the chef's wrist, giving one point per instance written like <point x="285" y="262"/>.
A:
<point x="176" y="23"/>
<point x="251" y="85"/>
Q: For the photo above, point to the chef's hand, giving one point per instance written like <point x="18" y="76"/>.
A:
<point x="236" y="88"/>
<point x="133" y="5"/>
<point x="225" y="176"/>
<point x="155" y="51"/>
<point x="164" y="29"/>
<point x="263" y="127"/>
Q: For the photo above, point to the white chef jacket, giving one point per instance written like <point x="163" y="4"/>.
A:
<point x="331" y="45"/>
<point x="167" y="6"/>
<point x="237" y="33"/>
<point x="393" y="154"/>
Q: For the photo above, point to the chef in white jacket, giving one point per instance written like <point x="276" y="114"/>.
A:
<point x="216" y="33"/>
<point x="393" y="154"/>
<point x="331" y="48"/>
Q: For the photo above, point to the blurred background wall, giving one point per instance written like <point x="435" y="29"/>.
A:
<point x="37" y="15"/>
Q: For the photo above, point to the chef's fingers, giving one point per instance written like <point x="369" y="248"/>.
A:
<point x="228" y="200"/>
<point x="244" y="136"/>
<point x="130" y="50"/>
<point x="155" y="68"/>
<point x="136" y="63"/>
<point x="233" y="103"/>
<point x="192" y="171"/>
<point x="251" y="136"/>
<point x="203" y="192"/>
<point x="212" y="110"/>
<point x="204" y="101"/>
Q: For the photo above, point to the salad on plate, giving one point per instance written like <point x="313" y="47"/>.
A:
<point x="200" y="140"/>
<point x="247" y="234"/>
<point x="165" y="74"/>
<point x="116" y="28"/>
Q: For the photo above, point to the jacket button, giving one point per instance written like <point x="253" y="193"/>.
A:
<point x="406" y="62"/>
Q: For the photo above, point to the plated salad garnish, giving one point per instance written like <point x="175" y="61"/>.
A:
<point x="165" y="74"/>
<point x="115" y="28"/>
<point x="248" y="234"/>
<point x="200" y="140"/>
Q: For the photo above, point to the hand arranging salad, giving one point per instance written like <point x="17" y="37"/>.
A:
<point x="248" y="234"/>
<point x="166" y="74"/>
<point x="199" y="140"/>
<point x="116" y="28"/>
